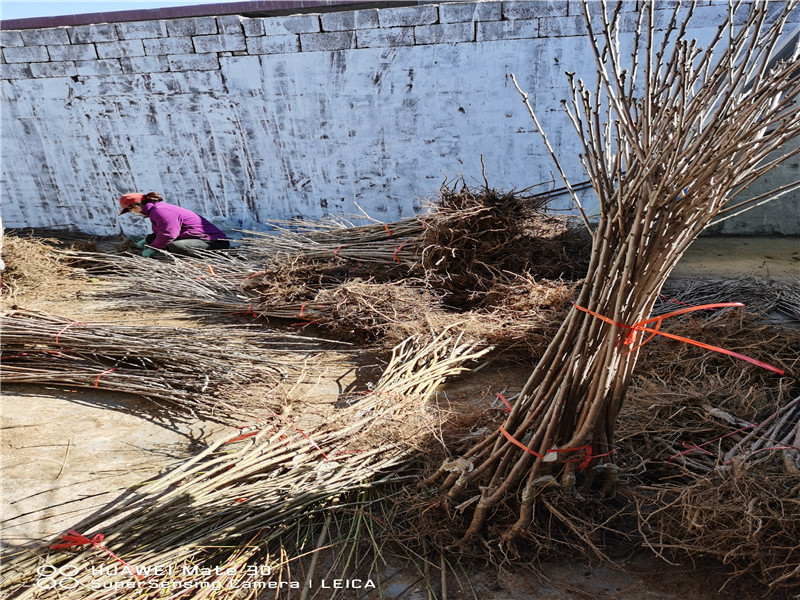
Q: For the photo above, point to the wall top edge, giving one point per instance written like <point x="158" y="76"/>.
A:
<point x="253" y="8"/>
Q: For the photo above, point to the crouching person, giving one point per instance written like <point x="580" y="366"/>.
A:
<point x="175" y="229"/>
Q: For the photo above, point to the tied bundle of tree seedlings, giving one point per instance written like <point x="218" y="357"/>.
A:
<point x="671" y="136"/>
<point x="465" y="239"/>
<point x="193" y="369"/>
<point x="241" y="501"/>
<point x="375" y="243"/>
<point x="477" y="241"/>
<point x="207" y="287"/>
<point x="768" y="298"/>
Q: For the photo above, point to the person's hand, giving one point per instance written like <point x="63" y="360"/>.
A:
<point x="148" y="252"/>
<point x="141" y="243"/>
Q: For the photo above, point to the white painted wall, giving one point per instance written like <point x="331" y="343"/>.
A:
<point x="242" y="136"/>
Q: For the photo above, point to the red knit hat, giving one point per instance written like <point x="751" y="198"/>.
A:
<point x="129" y="199"/>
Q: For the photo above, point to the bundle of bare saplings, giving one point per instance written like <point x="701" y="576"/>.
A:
<point x="198" y="370"/>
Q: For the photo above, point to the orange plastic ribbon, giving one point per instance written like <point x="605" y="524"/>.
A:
<point x="210" y="270"/>
<point x="97" y="381"/>
<point x="640" y="326"/>
<point x="72" y="538"/>
<point x="67" y="326"/>
<point x="586" y="449"/>
<point x="400" y="247"/>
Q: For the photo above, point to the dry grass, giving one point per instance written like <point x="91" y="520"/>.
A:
<point x="32" y="269"/>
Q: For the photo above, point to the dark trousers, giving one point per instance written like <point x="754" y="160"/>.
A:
<point x="190" y="247"/>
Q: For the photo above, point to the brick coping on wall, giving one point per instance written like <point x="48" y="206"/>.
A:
<point x="258" y="8"/>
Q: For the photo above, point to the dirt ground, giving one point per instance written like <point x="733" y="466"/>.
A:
<point x="67" y="452"/>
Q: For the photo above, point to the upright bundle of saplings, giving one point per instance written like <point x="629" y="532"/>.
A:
<point x="671" y="136"/>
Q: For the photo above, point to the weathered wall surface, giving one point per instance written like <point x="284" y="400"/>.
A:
<point x="245" y="119"/>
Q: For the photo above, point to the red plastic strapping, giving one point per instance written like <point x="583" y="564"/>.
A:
<point x="503" y="398"/>
<point x="586" y="449"/>
<point x="692" y="447"/>
<point x="640" y="326"/>
<point x="400" y="247"/>
<point x="72" y="539"/>
<point x="67" y="326"/>
<point x="97" y="381"/>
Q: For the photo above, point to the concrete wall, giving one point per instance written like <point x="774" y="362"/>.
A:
<point x="244" y="119"/>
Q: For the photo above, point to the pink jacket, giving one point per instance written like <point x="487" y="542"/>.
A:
<point x="170" y="223"/>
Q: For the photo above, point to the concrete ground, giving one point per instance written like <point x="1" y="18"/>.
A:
<point x="67" y="452"/>
<point x="731" y="257"/>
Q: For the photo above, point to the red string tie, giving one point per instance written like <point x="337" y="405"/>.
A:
<point x="336" y="252"/>
<point x="241" y="283"/>
<point x="386" y="227"/>
<point x="692" y="447"/>
<point x="72" y="539"/>
<point x="313" y="443"/>
<point x="249" y="311"/>
<point x="400" y="247"/>
<point x="586" y="449"/>
<point x="244" y="436"/>
<point x="97" y="381"/>
<point x="67" y="326"/>
<point x="640" y="326"/>
<point x="503" y="398"/>
<point x="673" y="300"/>
<point x="301" y="432"/>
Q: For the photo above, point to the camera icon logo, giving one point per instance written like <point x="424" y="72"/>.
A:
<point x="52" y="577"/>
